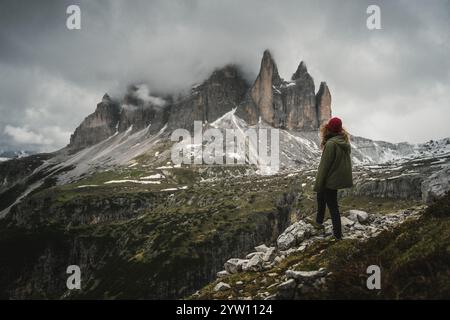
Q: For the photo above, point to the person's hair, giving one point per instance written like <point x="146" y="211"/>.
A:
<point x="326" y="134"/>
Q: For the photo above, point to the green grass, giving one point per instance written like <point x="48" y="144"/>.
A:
<point x="414" y="259"/>
<point x="165" y="251"/>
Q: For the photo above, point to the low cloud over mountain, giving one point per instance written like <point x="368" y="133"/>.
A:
<point x="384" y="82"/>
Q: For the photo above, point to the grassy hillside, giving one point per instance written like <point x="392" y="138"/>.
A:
<point x="414" y="259"/>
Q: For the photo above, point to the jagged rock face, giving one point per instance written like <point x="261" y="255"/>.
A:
<point x="140" y="112"/>
<point x="291" y="105"/>
<point x="300" y="101"/>
<point x="402" y="187"/>
<point x="282" y="104"/>
<point x="261" y="102"/>
<point x="136" y="118"/>
<point x="169" y="272"/>
<point x="97" y="126"/>
<point x="222" y="92"/>
<point x="436" y="185"/>
<point x="136" y="112"/>
<point x="323" y="103"/>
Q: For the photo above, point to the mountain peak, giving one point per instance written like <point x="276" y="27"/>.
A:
<point x="98" y="126"/>
<point x="106" y="98"/>
<point x="267" y="54"/>
<point x="293" y="105"/>
<point x="301" y="70"/>
<point x="323" y="103"/>
<point x="279" y="103"/>
<point x="269" y="68"/>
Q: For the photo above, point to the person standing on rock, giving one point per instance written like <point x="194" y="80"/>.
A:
<point x="335" y="172"/>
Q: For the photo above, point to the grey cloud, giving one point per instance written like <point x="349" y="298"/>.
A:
<point x="383" y="82"/>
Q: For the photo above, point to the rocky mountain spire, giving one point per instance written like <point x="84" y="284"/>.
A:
<point x="301" y="71"/>
<point x="97" y="126"/>
<point x="262" y="90"/>
<point x="291" y="105"/>
<point x="282" y="104"/>
<point x="323" y="103"/>
<point x="106" y="98"/>
<point x="300" y="101"/>
<point x="269" y="66"/>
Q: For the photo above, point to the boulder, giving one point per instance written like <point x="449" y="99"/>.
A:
<point x="358" y="216"/>
<point x="286" y="290"/>
<point x="222" y="286"/>
<point x="305" y="275"/>
<point x="287" y="285"/>
<point x="222" y="274"/>
<point x="262" y="248"/>
<point x="286" y="241"/>
<point x="346" y="222"/>
<point x="235" y="265"/>
<point x="294" y="234"/>
<point x="254" y="264"/>
<point x="250" y="255"/>
<point x="269" y="255"/>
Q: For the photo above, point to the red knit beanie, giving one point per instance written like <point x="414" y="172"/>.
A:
<point x="334" y="125"/>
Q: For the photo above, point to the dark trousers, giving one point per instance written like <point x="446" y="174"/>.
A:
<point x="325" y="198"/>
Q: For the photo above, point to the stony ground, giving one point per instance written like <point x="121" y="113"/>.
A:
<point x="306" y="263"/>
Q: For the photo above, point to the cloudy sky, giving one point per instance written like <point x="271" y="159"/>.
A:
<point x="391" y="84"/>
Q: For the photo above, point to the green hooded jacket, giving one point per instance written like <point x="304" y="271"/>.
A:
<point x="335" y="168"/>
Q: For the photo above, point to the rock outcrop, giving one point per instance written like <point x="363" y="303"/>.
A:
<point x="296" y="283"/>
<point x="286" y="104"/>
<point x="137" y="110"/>
<point x="400" y="187"/>
<point x="259" y="102"/>
<point x="219" y="94"/>
<point x="97" y="126"/>
<point x="323" y="104"/>
<point x="141" y="110"/>
<point x="436" y="185"/>
<point x="300" y="101"/>
<point x="292" y="104"/>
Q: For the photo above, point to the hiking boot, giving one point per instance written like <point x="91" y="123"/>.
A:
<point x="336" y="239"/>
<point x="315" y="224"/>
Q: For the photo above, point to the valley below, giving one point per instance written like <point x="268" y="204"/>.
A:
<point x="170" y="237"/>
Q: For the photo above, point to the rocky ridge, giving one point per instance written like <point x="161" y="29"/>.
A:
<point x="292" y="105"/>
<point x="297" y="238"/>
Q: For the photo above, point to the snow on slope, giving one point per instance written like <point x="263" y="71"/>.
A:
<point x="117" y="150"/>
<point x="296" y="150"/>
<point x="302" y="148"/>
